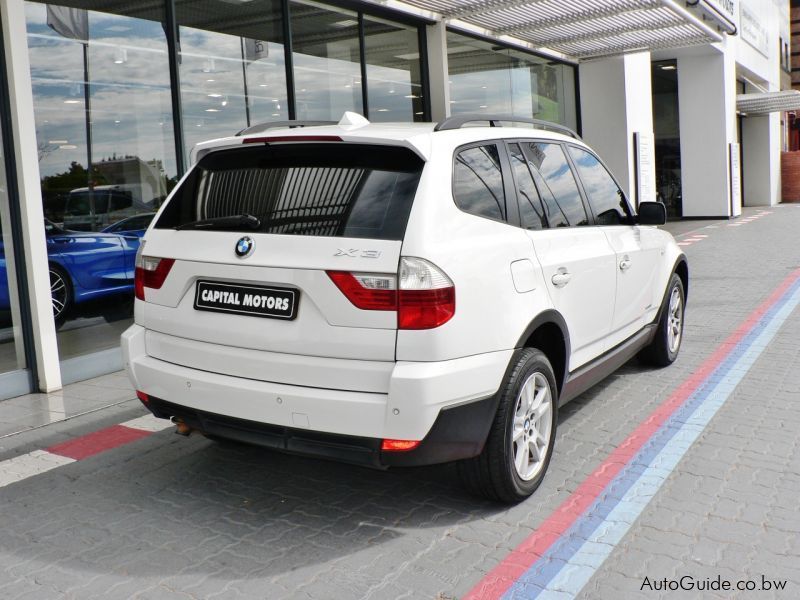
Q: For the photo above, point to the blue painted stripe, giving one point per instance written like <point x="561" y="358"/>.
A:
<point x="570" y="562"/>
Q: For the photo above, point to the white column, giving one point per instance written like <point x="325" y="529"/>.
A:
<point x="616" y="102"/>
<point x="438" y="71"/>
<point x="761" y="160"/>
<point x="707" y="107"/>
<point x="23" y="128"/>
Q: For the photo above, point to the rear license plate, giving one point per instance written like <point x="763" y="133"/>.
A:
<point x="251" y="300"/>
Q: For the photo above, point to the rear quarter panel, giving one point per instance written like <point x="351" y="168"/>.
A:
<point x="476" y="253"/>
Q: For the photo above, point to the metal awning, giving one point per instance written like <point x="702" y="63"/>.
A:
<point x="578" y="29"/>
<point x="768" y="102"/>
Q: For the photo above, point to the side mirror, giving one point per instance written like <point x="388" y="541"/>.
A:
<point x="651" y="213"/>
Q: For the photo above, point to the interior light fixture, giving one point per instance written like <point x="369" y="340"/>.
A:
<point x="668" y="67"/>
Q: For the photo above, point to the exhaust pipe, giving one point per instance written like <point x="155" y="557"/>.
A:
<point x="181" y="428"/>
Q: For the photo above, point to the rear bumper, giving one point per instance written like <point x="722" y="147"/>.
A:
<point x="437" y="402"/>
<point x="459" y="432"/>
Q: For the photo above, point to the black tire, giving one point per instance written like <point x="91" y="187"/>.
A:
<point x="661" y="352"/>
<point x="493" y="474"/>
<point x="61" y="291"/>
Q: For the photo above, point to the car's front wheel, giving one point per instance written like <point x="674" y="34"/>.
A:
<point x="60" y="293"/>
<point x="520" y="443"/>
<point x="666" y="344"/>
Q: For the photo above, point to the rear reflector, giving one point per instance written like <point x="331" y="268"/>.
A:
<point x="292" y="138"/>
<point x="143" y="397"/>
<point x="150" y="273"/>
<point x="399" y="445"/>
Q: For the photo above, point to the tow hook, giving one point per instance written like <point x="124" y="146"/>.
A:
<point x="181" y="428"/>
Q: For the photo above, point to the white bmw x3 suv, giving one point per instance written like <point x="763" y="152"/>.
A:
<point x="399" y="294"/>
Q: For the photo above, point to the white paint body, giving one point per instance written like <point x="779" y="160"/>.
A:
<point x="340" y="369"/>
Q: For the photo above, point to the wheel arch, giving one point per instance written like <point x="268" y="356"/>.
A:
<point x="549" y="333"/>
<point x="681" y="268"/>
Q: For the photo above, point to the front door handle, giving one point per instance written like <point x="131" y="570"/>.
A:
<point x="625" y="264"/>
<point x="561" y="278"/>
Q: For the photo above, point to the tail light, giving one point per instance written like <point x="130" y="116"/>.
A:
<point x="367" y="291"/>
<point x="150" y="273"/>
<point x="426" y="297"/>
<point x="143" y="397"/>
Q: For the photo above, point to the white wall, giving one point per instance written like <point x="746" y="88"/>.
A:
<point x="761" y="158"/>
<point x="707" y="107"/>
<point x="616" y="101"/>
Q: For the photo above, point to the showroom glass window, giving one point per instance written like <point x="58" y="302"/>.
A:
<point x="232" y="68"/>
<point x="487" y="78"/>
<point x="326" y="58"/>
<point x="394" y="73"/>
<point x="12" y="356"/>
<point x="103" y="109"/>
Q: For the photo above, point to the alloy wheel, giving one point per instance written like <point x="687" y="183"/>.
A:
<point x="58" y="293"/>
<point x="530" y="435"/>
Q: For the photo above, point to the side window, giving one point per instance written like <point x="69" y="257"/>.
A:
<point x="478" y="182"/>
<point x="101" y="203"/>
<point x="120" y="201"/>
<point x="557" y="185"/>
<point x="606" y="199"/>
<point x="530" y="204"/>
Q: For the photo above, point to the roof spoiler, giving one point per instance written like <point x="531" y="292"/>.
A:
<point x="262" y="127"/>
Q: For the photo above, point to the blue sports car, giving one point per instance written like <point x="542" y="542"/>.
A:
<point x="83" y="266"/>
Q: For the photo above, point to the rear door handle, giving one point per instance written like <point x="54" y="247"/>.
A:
<point x="561" y="278"/>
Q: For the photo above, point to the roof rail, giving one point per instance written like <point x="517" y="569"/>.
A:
<point x="459" y="121"/>
<point x="262" y="127"/>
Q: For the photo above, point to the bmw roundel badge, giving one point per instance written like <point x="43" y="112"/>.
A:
<point x="244" y="247"/>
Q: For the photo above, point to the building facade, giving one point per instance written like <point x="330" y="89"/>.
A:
<point x="102" y="103"/>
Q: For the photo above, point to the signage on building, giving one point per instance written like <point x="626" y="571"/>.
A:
<point x="644" y="147"/>
<point x="753" y="30"/>
<point x="724" y="12"/>
<point x="736" y="181"/>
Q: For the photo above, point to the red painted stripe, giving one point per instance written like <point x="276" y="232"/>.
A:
<point x="98" y="441"/>
<point x="497" y="581"/>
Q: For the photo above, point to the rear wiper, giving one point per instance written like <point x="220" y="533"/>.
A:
<point x="232" y="222"/>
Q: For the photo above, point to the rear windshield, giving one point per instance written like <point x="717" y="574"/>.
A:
<point x="335" y="189"/>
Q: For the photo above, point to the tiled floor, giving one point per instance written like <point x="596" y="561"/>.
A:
<point x="36" y="410"/>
